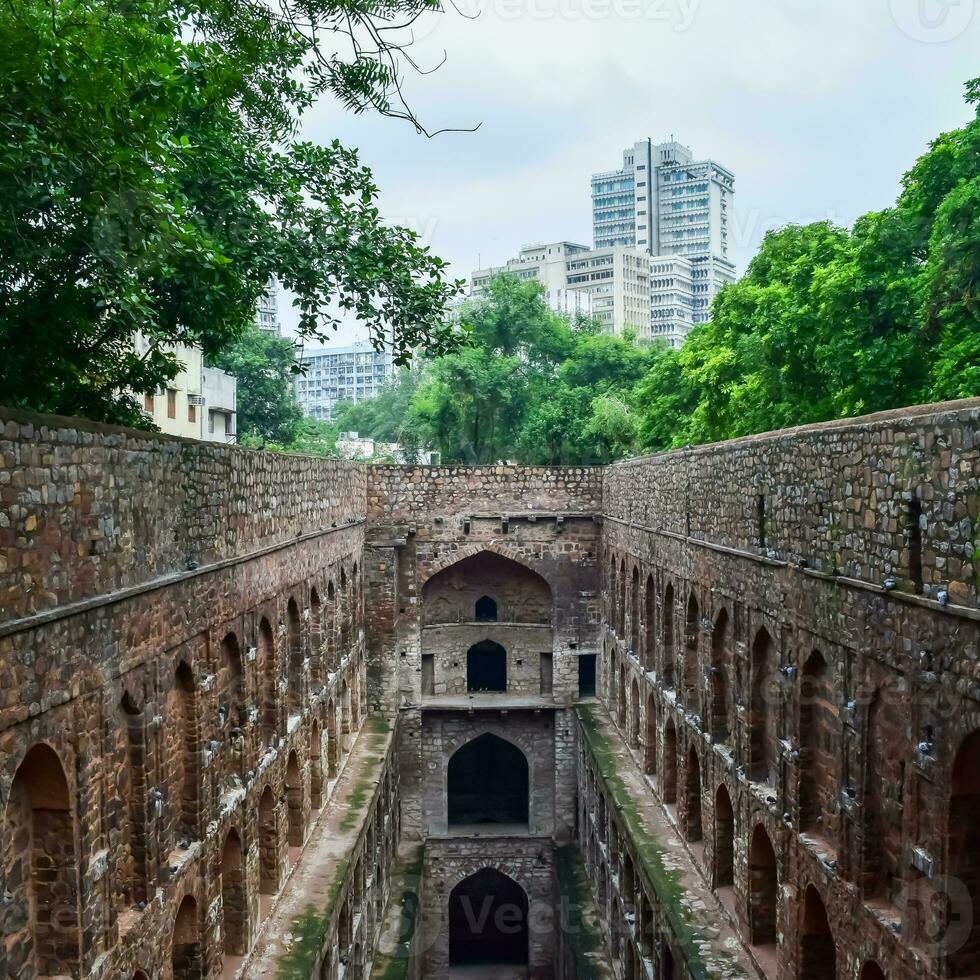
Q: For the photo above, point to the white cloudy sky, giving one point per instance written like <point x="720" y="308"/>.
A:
<point x="818" y="106"/>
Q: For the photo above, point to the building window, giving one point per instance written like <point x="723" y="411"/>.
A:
<point x="148" y="404"/>
<point x="171" y="403"/>
<point x="191" y="413"/>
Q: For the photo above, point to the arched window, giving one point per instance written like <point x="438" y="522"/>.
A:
<point x="635" y="611"/>
<point x="294" y="802"/>
<point x="724" y="867"/>
<point x="691" y="651"/>
<point x="634" y="725"/>
<point x="963" y="830"/>
<point x="649" y="628"/>
<point x="186" y="953"/>
<point x="234" y="905"/>
<point x="871" y="971"/>
<point x="818" y="954"/>
<point x="621" y="619"/>
<point x="488" y="913"/>
<point x="316" y="637"/>
<point x="487" y="781"/>
<point x="185" y="689"/>
<point x="668" y="639"/>
<point x="721" y="725"/>
<point x="695" y="831"/>
<point x="268" y="682"/>
<point x="650" y="749"/>
<point x="817" y="761"/>
<point x="295" y="679"/>
<point x="763" y="889"/>
<point x="486" y="667"/>
<point x="762" y="724"/>
<point x="41" y="871"/>
<point x="486" y="610"/>
<point x="669" y="784"/>
<point x="268" y="844"/>
<point x="233" y="682"/>
<point x="133" y="791"/>
<point x="316" y="767"/>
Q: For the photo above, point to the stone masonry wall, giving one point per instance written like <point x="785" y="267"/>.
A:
<point x="790" y="651"/>
<point x="182" y="677"/>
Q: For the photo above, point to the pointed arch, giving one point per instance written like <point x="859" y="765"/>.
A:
<point x="488" y="782"/>
<point x="762" y="719"/>
<point x="268" y="682"/>
<point x="498" y="934"/>
<point x="186" y="949"/>
<point x="316" y="637"/>
<point x="635" y="610"/>
<point x="963" y="836"/>
<point x="232" y="682"/>
<point x="817" y="763"/>
<point x="650" y="754"/>
<point x="621" y="603"/>
<point x="634" y="721"/>
<point x="294" y="679"/>
<point x="721" y="707"/>
<point x="691" y="632"/>
<point x="667" y="622"/>
<point x="486" y="667"/>
<point x="724" y="854"/>
<point x="316" y="766"/>
<point x="268" y="844"/>
<point x="185" y="693"/>
<point x="668" y="786"/>
<point x="763" y="889"/>
<point x="234" y="904"/>
<point x="41" y="865"/>
<point x="649" y="626"/>
<point x="134" y="791"/>
<point x="296" y="824"/>
<point x="333" y="742"/>
<point x="818" y="953"/>
<point x="693" y="824"/>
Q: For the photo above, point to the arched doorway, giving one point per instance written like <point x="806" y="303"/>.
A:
<point x="816" y="744"/>
<point x="294" y="802"/>
<point x="818" y="955"/>
<point x="763" y="889"/>
<point x="186" y="954"/>
<point x="669" y="782"/>
<point x="667" y="624"/>
<point x="691" y="628"/>
<point x="650" y="753"/>
<point x="268" y="686"/>
<point x="486" y="667"/>
<point x="694" y="829"/>
<point x="720" y="724"/>
<point x="488" y="920"/>
<point x="963" y="830"/>
<point x="871" y="971"/>
<point x="316" y="767"/>
<point x="38" y="842"/>
<point x="268" y="844"/>
<point x="487" y="782"/>
<point x="634" y="725"/>
<point x="234" y="908"/>
<point x="762" y="716"/>
<point x="724" y="864"/>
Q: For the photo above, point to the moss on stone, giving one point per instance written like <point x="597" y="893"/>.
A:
<point x="408" y="871"/>
<point x="584" y="937"/>
<point x="666" y="884"/>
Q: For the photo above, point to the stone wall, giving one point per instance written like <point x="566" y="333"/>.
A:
<point x="790" y="646"/>
<point x="182" y="677"/>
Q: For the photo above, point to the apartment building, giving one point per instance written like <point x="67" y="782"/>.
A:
<point x="341" y="374"/>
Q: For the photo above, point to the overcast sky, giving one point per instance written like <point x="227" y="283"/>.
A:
<point x="818" y="106"/>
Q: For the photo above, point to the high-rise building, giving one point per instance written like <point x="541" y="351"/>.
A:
<point x="267" y="309"/>
<point x="610" y="284"/>
<point x="670" y="205"/>
<point x="341" y="374"/>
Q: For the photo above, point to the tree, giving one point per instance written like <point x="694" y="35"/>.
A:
<point x="829" y="322"/>
<point x="152" y="183"/>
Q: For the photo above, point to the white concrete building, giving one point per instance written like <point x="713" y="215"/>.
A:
<point x="667" y="203"/>
<point x="341" y="374"/>
<point x="610" y="284"/>
<point x="199" y="403"/>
